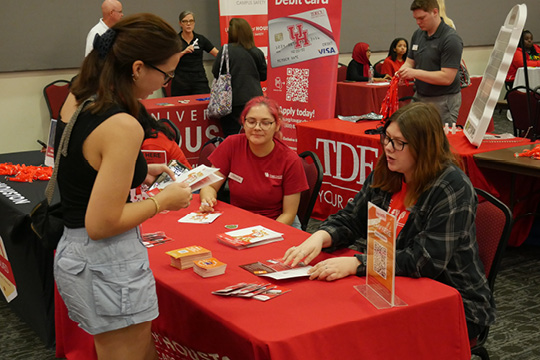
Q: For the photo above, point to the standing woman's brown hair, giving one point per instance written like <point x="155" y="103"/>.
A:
<point x="107" y="70"/>
<point x="240" y="32"/>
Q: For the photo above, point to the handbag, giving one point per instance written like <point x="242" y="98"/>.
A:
<point x="46" y="219"/>
<point x="464" y="77"/>
<point x="220" y="103"/>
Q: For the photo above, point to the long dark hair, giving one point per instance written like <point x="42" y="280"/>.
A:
<point x="240" y="32"/>
<point x="392" y="51"/>
<point x="144" y="37"/>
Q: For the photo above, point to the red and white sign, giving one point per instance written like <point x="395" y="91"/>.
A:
<point x="303" y="51"/>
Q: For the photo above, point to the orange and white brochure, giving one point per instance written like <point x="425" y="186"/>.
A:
<point x="7" y="279"/>
<point x="381" y="250"/>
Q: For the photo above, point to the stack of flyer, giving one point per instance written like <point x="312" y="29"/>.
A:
<point x="183" y="258"/>
<point x="258" y="291"/>
<point x="209" y="267"/>
<point x="249" y="237"/>
<point x="277" y="269"/>
<point x="196" y="178"/>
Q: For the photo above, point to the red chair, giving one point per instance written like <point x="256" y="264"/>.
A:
<point x="378" y="66"/>
<point x="519" y="107"/>
<point x="314" y="175"/>
<point x="55" y="95"/>
<point x="341" y="72"/>
<point x="493" y="226"/>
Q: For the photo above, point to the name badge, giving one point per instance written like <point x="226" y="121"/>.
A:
<point x="236" y="178"/>
<point x="415" y="47"/>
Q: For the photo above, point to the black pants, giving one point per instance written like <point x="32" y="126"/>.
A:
<point x="230" y="124"/>
<point x="190" y="84"/>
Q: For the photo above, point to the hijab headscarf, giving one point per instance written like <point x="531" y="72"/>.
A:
<point x="359" y="55"/>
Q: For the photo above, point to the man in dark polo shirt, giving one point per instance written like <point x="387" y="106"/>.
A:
<point x="434" y="60"/>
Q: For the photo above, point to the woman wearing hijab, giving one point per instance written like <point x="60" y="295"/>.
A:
<point x="358" y="68"/>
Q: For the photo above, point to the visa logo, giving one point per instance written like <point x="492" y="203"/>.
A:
<point x="327" y="51"/>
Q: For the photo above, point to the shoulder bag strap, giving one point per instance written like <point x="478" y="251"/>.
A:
<point x="62" y="148"/>
<point x="224" y="56"/>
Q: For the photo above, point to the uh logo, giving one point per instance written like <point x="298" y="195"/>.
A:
<point x="300" y="36"/>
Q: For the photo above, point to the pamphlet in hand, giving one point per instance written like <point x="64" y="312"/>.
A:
<point x="196" y="178"/>
<point x="249" y="237"/>
<point x="276" y="269"/>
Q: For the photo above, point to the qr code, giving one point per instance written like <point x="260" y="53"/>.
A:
<point x="297" y="85"/>
<point x="380" y="257"/>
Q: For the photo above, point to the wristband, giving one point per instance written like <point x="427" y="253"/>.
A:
<point x="155" y="203"/>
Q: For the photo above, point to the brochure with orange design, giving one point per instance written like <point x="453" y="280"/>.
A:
<point x="249" y="237"/>
<point x="200" y="217"/>
<point x="183" y="258"/>
<point x="276" y="269"/>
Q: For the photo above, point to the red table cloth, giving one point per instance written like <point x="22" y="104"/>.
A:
<point x="348" y="155"/>
<point x="315" y="320"/>
<point x="358" y="98"/>
<point x="189" y="114"/>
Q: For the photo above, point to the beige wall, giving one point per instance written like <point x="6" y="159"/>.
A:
<point x="25" y="117"/>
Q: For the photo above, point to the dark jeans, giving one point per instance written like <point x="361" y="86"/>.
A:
<point x="474" y="330"/>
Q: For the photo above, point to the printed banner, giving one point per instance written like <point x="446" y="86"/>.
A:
<point x="303" y="52"/>
<point x="7" y="279"/>
<point x="255" y="13"/>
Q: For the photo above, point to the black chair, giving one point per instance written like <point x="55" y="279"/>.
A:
<point x="174" y="129"/>
<point x="517" y="104"/>
<point x="55" y="95"/>
<point x="493" y="226"/>
<point x="314" y="175"/>
<point x="208" y="147"/>
<point x="167" y="90"/>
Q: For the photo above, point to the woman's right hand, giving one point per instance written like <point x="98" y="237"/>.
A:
<point x="175" y="196"/>
<point x="188" y="50"/>
<point x="306" y="251"/>
<point x="207" y="203"/>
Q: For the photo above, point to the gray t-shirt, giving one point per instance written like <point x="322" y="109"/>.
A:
<point x="432" y="53"/>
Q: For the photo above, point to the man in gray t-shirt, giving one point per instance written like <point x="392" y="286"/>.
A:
<point x="434" y="60"/>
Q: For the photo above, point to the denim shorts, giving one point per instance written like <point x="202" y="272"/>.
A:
<point x="106" y="284"/>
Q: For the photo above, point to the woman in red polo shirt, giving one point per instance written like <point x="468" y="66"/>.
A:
<point x="265" y="176"/>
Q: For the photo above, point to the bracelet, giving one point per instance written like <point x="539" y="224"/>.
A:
<point x="155" y="203"/>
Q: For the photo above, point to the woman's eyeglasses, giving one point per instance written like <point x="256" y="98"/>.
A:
<point x="168" y="77"/>
<point x="186" y="22"/>
<point x="252" y="124"/>
<point x="397" y="145"/>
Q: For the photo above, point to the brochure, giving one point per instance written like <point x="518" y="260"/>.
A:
<point x="249" y="237"/>
<point x="276" y="269"/>
<point x="196" y="178"/>
<point x="258" y="291"/>
<point x="200" y="217"/>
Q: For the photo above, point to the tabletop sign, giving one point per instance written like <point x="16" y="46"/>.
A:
<point x="494" y="75"/>
<point x="7" y="280"/>
<point x="381" y="249"/>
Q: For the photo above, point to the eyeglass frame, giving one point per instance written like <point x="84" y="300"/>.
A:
<point x="168" y="77"/>
<point x="187" y="22"/>
<point x="385" y="136"/>
<point x="264" y="125"/>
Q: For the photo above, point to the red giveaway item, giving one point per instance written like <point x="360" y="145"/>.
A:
<point x="390" y="104"/>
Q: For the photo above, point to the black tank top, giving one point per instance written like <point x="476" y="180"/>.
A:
<point x="76" y="176"/>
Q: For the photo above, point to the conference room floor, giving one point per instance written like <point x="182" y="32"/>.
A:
<point x="517" y="293"/>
